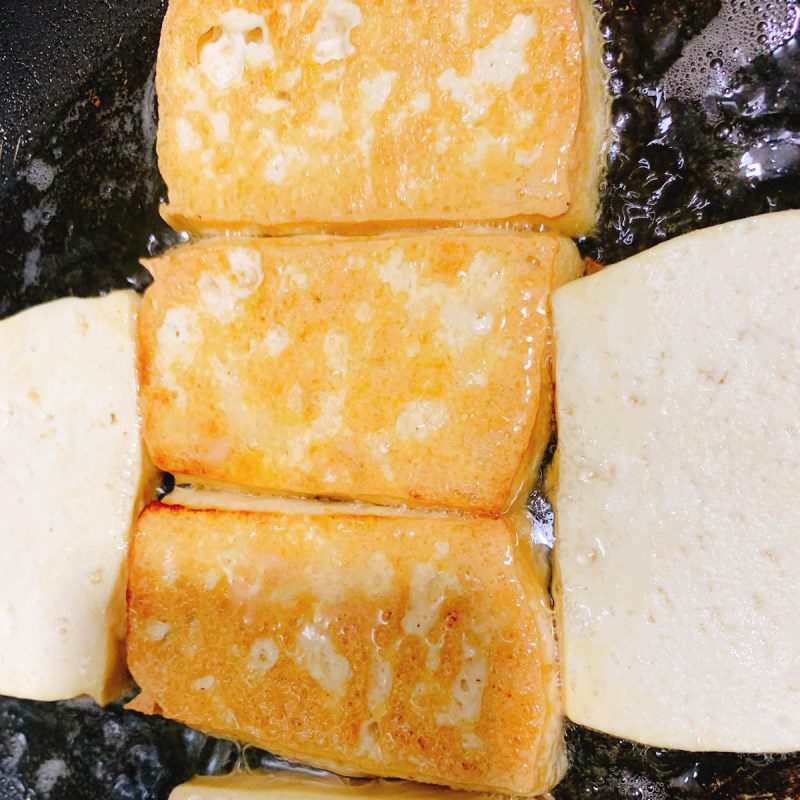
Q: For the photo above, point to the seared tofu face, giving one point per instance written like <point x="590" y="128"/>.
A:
<point x="405" y="369"/>
<point x="72" y="475"/>
<point x="678" y="508"/>
<point x="300" y="786"/>
<point x="333" y="113"/>
<point x="406" y="647"/>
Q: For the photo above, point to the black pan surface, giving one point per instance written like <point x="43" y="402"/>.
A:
<point x="706" y="113"/>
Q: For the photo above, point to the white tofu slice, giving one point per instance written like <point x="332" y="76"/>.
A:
<point x="303" y="786"/>
<point x="678" y="538"/>
<point x="72" y="476"/>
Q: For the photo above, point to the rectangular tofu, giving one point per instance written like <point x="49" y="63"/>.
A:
<point x="413" y="646"/>
<point x="411" y="368"/>
<point x="72" y="476"/>
<point x="299" y="786"/>
<point x="349" y="116"/>
<point x="678" y="506"/>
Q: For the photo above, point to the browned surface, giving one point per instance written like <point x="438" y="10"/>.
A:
<point x="288" y="143"/>
<point x="410" y="368"/>
<point x="430" y="599"/>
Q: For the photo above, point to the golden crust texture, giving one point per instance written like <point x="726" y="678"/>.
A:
<point x="406" y="369"/>
<point x="398" y="647"/>
<point x="346" y="116"/>
<point x="295" y="785"/>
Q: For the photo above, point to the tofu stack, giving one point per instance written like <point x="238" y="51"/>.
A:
<point x="403" y="363"/>
<point x="678" y="506"/>
<point x="356" y="408"/>
<point x="410" y="370"/>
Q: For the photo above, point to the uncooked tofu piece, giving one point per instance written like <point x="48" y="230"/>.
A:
<point x="417" y="647"/>
<point x="678" y="509"/>
<point x="72" y="478"/>
<point x="332" y="115"/>
<point x="299" y="786"/>
<point x="402" y="369"/>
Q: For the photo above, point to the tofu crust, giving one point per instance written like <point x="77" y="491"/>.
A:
<point x="293" y="786"/>
<point x="397" y="647"/>
<point x="408" y="369"/>
<point x="349" y="117"/>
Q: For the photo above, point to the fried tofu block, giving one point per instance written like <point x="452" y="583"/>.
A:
<point x="293" y="786"/>
<point x="418" y="647"/>
<point x="348" y="116"/>
<point x="678" y="506"/>
<point x="73" y="476"/>
<point x="404" y="369"/>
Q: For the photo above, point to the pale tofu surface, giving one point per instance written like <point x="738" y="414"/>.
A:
<point x="72" y="470"/>
<point x="402" y="369"/>
<point x="400" y="647"/>
<point x="337" y="114"/>
<point x="299" y="786"/>
<point x="678" y="507"/>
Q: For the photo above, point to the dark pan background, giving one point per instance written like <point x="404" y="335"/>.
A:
<point x="704" y="133"/>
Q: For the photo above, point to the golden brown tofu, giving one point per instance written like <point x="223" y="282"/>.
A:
<point x="418" y="647"/>
<point x="287" y="785"/>
<point x="401" y="369"/>
<point x="341" y="115"/>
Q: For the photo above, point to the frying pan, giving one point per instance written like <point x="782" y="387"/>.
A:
<point x="706" y="114"/>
